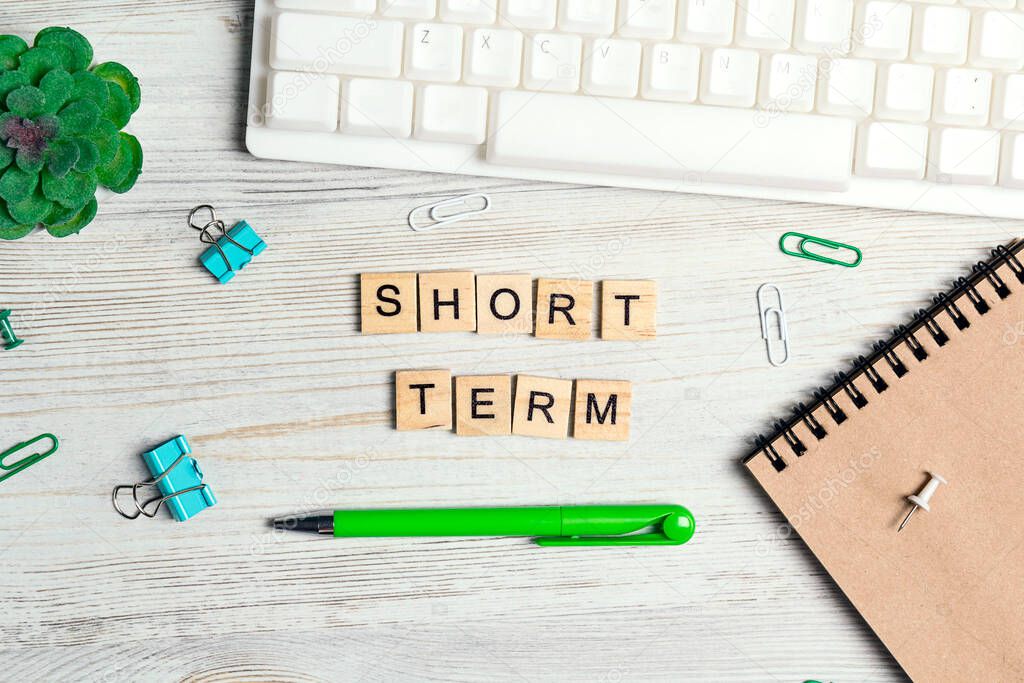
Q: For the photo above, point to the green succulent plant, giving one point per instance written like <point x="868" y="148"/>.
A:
<point x="60" y="132"/>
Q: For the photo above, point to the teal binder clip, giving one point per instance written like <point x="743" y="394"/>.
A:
<point x="231" y="251"/>
<point x="177" y="477"/>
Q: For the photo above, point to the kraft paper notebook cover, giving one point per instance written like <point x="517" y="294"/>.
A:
<point x="945" y="394"/>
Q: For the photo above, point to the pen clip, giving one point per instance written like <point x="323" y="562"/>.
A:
<point x="628" y="540"/>
<point x="625" y="526"/>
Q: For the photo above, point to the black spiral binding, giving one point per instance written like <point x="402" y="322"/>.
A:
<point x="863" y="368"/>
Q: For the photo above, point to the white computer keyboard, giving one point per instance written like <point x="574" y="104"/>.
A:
<point x="907" y="105"/>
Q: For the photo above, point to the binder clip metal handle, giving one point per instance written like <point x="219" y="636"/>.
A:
<point x="215" y="224"/>
<point x="141" y="507"/>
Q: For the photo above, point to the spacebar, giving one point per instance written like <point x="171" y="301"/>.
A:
<point x="687" y="142"/>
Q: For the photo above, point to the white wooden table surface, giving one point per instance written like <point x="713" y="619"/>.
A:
<point x="288" y="408"/>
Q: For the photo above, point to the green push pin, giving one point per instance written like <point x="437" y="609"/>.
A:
<point x="8" y="332"/>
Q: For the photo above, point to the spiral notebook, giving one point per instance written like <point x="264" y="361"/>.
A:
<point x="945" y="595"/>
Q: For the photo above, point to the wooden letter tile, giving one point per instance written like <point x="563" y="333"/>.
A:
<point x="602" y="410"/>
<point x="565" y="309"/>
<point x="629" y="309"/>
<point x="448" y="302"/>
<point x="423" y="399"/>
<point x="483" y="405"/>
<point x="504" y="304"/>
<point x="542" y="407"/>
<point x="387" y="303"/>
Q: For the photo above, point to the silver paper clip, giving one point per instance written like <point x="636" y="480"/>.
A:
<point x="765" y="311"/>
<point x="438" y="219"/>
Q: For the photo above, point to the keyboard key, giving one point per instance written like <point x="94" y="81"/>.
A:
<point x="824" y="26"/>
<point x="962" y="97"/>
<point x="765" y="23"/>
<point x="469" y="11"/>
<point x="451" y="113"/>
<point x="493" y="57"/>
<point x="553" y="62"/>
<point x="587" y="16"/>
<point x="707" y="22"/>
<point x="905" y="92"/>
<point x="790" y="82"/>
<point x="647" y="18"/>
<point x="529" y="14"/>
<point x="340" y="45"/>
<point x="302" y="101"/>
<point x="1012" y="172"/>
<point x="409" y="9"/>
<point x="669" y="140"/>
<point x="612" y="67"/>
<point x="730" y="78"/>
<point x="671" y="72"/>
<point x="997" y="41"/>
<point x="1008" y="108"/>
<point x="434" y="52"/>
<point x="882" y="30"/>
<point x="342" y="6"/>
<point x="376" y="107"/>
<point x="940" y="35"/>
<point x="848" y="89"/>
<point x="892" y="150"/>
<point x="964" y="157"/>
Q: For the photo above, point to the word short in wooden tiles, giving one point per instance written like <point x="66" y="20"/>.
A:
<point x="483" y="405"/>
<point x="388" y="303"/>
<point x="460" y="301"/>
<point x="542" y="407"/>
<point x="629" y="309"/>
<point x="602" y="410"/>
<point x="504" y="304"/>
<point x="423" y="399"/>
<point x="564" y="309"/>
<point x="448" y="302"/>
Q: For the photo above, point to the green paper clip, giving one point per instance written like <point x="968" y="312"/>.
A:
<point x="802" y="251"/>
<point x="28" y="460"/>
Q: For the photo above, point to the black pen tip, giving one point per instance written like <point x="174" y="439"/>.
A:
<point x="317" y="524"/>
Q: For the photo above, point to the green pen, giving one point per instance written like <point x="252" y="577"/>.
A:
<point x="579" y="525"/>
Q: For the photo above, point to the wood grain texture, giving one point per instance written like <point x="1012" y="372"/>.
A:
<point x="289" y="408"/>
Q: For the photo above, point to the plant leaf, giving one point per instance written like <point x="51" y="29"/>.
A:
<point x="89" y="86"/>
<point x="72" y="191"/>
<point x="6" y="156"/>
<point x="121" y="173"/>
<point x="75" y="224"/>
<point x="9" y="82"/>
<point x="10" y="229"/>
<point x="29" y="161"/>
<point x="16" y="184"/>
<point x="79" y="117"/>
<point x="36" y="62"/>
<point x="61" y="156"/>
<point x="57" y="86"/>
<point x="88" y="155"/>
<point x="30" y="210"/>
<point x="114" y="72"/>
<point x="11" y="47"/>
<point x="118" y="109"/>
<point x="74" y="50"/>
<point x="27" y="102"/>
<point x="107" y="140"/>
